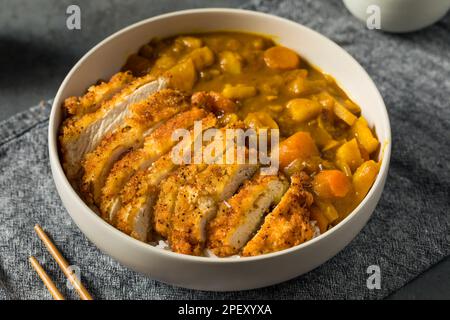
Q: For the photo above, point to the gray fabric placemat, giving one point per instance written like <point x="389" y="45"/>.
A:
<point x="408" y="233"/>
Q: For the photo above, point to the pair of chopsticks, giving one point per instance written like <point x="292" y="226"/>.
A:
<point x="63" y="264"/>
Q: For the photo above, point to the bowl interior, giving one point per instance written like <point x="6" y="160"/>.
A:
<point x="108" y="56"/>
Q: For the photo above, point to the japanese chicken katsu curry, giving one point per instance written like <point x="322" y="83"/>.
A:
<point x="117" y="146"/>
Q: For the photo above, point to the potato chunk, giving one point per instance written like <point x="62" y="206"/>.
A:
<point x="239" y="91"/>
<point x="302" y="110"/>
<point x="349" y="154"/>
<point x="328" y="210"/>
<point x="364" y="178"/>
<point x="182" y="76"/>
<point x="323" y="139"/>
<point x="164" y="62"/>
<point x="260" y="120"/>
<point x="230" y="62"/>
<point x="281" y="58"/>
<point x="202" y="58"/>
<point x="190" y="42"/>
<point x="364" y="135"/>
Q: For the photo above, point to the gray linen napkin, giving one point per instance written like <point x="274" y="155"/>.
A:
<point x="408" y="233"/>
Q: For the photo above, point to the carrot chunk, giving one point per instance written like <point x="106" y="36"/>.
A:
<point x="298" y="146"/>
<point x="329" y="184"/>
<point x="281" y="58"/>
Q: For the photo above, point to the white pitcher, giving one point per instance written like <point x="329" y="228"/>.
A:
<point x="400" y="15"/>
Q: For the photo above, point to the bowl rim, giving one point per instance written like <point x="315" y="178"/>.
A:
<point x="58" y="170"/>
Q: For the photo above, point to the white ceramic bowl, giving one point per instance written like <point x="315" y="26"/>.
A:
<point x="214" y="273"/>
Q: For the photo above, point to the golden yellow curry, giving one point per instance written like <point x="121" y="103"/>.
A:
<point x="322" y="130"/>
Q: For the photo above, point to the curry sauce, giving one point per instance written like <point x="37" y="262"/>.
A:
<point x="322" y="131"/>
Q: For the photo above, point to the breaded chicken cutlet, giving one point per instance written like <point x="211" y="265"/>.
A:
<point x="126" y="171"/>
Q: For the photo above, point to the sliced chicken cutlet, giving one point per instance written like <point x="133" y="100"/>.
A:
<point x="197" y="204"/>
<point x="239" y="217"/>
<point x="128" y="192"/>
<point x="288" y="224"/>
<point x="134" y="205"/>
<point x="168" y="195"/>
<point x="156" y="144"/>
<point x="81" y="135"/>
<point x="135" y="215"/>
<point x="169" y="188"/>
<point x="96" y="95"/>
<point x="143" y="117"/>
<point x="137" y="199"/>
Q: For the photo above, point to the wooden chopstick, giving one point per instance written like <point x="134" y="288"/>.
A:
<point x="57" y="295"/>
<point x="63" y="264"/>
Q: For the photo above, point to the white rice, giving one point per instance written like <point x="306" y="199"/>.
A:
<point x="227" y="204"/>
<point x="161" y="244"/>
<point x="316" y="229"/>
<point x="210" y="254"/>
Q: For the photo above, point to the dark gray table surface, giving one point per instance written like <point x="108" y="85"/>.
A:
<point x="37" y="51"/>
